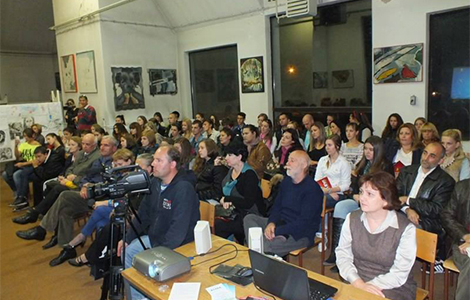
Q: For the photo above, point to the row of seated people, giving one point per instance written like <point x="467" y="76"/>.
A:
<point x="235" y="158"/>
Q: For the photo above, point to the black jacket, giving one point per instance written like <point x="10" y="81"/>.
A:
<point x="209" y="181"/>
<point x="392" y="148"/>
<point x="52" y="167"/>
<point x="169" y="216"/>
<point x="456" y="215"/>
<point x="432" y="197"/>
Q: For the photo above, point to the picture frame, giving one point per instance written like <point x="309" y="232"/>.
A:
<point x="402" y="63"/>
<point x="342" y="79"/>
<point x="252" y="74"/>
<point x="69" y="73"/>
<point x="320" y="80"/>
<point x="86" y="72"/>
<point x="128" y="88"/>
<point x="162" y="82"/>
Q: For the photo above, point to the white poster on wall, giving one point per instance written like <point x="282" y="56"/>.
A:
<point x="15" y="118"/>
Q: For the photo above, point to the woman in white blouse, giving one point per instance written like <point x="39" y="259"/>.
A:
<point x="336" y="168"/>
<point x="378" y="226"/>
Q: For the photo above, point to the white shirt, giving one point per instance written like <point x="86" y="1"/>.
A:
<point x="405" y="158"/>
<point x="404" y="257"/>
<point x="338" y="173"/>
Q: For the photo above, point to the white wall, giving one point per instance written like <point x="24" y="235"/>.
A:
<point x="27" y="78"/>
<point x="252" y="37"/>
<point x="401" y="22"/>
<point x="117" y="42"/>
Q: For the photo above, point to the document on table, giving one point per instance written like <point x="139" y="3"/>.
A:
<point x="222" y="291"/>
<point x="185" y="290"/>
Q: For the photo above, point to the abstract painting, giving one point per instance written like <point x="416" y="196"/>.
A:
<point x="320" y="80"/>
<point x="128" y="88"/>
<point x="342" y="79"/>
<point x="162" y="82"/>
<point x="398" y="64"/>
<point x="251" y="70"/>
<point x="86" y="72"/>
<point x="69" y="73"/>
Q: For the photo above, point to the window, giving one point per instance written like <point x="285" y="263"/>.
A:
<point x="323" y="63"/>
<point x="214" y="82"/>
<point x="449" y="71"/>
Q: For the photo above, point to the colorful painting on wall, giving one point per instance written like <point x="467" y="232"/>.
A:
<point x="398" y="64"/>
<point x="128" y="88"/>
<point x="69" y="73"/>
<point x="251" y="70"/>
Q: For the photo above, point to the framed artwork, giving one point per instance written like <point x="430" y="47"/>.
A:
<point x="69" y="74"/>
<point x="251" y="70"/>
<point x="398" y="64"/>
<point x="320" y="80"/>
<point x="342" y="79"/>
<point x="128" y="88"/>
<point x="86" y="72"/>
<point x="162" y="81"/>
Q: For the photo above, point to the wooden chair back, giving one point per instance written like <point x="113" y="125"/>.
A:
<point x="207" y="212"/>
<point x="426" y="251"/>
<point x="266" y="188"/>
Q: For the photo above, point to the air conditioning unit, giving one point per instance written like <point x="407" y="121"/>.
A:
<point x="297" y="8"/>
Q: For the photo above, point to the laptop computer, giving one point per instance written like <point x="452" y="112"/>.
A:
<point x="286" y="281"/>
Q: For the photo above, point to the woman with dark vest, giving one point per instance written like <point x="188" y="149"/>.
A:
<point x="377" y="248"/>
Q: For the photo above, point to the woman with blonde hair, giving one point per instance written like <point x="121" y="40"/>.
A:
<point x="456" y="164"/>
<point x="186" y="127"/>
<point x="428" y="134"/>
<point x="317" y="143"/>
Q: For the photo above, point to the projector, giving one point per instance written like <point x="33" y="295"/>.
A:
<point x="161" y="263"/>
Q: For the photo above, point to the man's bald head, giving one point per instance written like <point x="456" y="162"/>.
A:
<point x="297" y="165"/>
<point x="308" y="121"/>
<point x="88" y="142"/>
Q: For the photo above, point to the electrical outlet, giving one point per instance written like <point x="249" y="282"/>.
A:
<point x="413" y="100"/>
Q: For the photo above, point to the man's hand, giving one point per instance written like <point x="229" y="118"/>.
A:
<point x="83" y="192"/>
<point x="20" y="164"/>
<point x="119" y="247"/>
<point x="356" y="197"/>
<point x="403" y="199"/>
<point x="463" y="248"/>
<point x="412" y="216"/>
<point x="360" y="284"/>
<point x="71" y="177"/>
<point x="269" y="231"/>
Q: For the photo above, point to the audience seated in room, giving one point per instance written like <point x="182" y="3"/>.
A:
<point x="296" y="213"/>
<point x="378" y="226"/>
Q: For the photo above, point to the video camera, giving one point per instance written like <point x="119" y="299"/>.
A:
<point x="118" y="183"/>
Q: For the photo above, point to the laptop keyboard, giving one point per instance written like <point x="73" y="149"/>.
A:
<point x="317" y="295"/>
<point x="319" y="290"/>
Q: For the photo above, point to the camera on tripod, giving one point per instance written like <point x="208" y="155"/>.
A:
<point x="119" y="182"/>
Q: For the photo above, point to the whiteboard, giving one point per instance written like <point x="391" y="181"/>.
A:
<point x="14" y="118"/>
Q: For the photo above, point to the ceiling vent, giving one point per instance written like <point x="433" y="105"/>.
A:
<point x="296" y="8"/>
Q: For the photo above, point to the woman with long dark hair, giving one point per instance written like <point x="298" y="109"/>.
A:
<point x="406" y="149"/>
<point x="317" y="143"/>
<point x="267" y="135"/>
<point x="289" y="143"/>
<point x="209" y="176"/>
<point x="389" y="134"/>
<point x="372" y="161"/>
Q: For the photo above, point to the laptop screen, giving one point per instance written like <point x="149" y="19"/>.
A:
<point x="278" y="278"/>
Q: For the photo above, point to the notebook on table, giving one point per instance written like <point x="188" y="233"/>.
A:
<point x="286" y="281"/>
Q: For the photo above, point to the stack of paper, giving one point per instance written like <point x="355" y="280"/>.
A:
<point x="185" y="290"/>
<point x="222" y="291"/>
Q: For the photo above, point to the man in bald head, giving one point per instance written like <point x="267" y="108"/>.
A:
<point x="307" y="121"/>
<point x="296" y="213"/>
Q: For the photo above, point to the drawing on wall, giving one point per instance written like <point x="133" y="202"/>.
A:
<point x="342" y="79"/>
<point x="398" y="64"/>
<point x="162" y="81"/>
<point x="227" y="85"/>
<point x="320" y="80"/>
<point x="86" y="72"/>
<point x="251" y="70"/>
<point x="69" y="74"/>
<point x="204" y="81"/>
<point x="14" y="118"/>
<point x="128" y="88"/>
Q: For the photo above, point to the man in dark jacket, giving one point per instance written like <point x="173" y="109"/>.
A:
<point x="296" y="214"/>
<point x="424" y="191"/>
<point x="168" y="214"/>
<point x="456" y="222"/>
